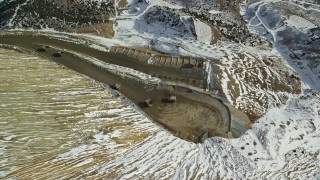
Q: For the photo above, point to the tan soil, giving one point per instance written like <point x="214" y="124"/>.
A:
<point x="103" y="29"/>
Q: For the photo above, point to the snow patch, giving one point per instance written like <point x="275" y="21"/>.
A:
<point x="215" y="12"/>
<point x="163" y="3"/>
<point x="203" y="31"/>
<point x="300" y="23"/>
<point x="87" y="161"/>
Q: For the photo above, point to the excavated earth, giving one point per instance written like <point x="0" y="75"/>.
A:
<point x="194" y="116"/>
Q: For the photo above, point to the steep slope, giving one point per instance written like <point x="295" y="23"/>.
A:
<point x="282" y="144"/>
<point x="264" y="59"/>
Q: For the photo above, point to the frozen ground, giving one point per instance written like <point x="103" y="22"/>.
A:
<point x="300" y="22"/>
<point x="283" y="144"/>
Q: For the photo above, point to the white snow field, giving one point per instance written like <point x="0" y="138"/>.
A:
<point x="300" y="22"/>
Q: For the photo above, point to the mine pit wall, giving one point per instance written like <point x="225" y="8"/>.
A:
<point x="140" y="55"/>
<point x="156" y="59"/>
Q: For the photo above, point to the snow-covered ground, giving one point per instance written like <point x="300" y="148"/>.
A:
<point x="300" y="22"/>
<point x="204" y="31"/>
<point x="215" y="12"/>
<point x="278" y="34"/>
<point x="283" y="144"/>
